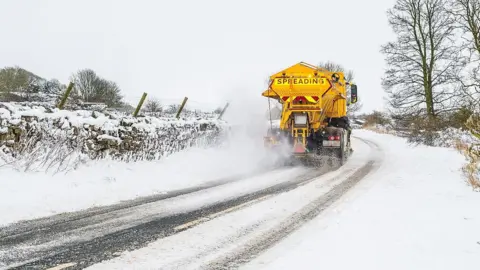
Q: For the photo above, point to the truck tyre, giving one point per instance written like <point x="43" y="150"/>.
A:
<point x="342" y="155"/>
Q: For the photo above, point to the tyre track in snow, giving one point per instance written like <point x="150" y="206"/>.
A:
<point x="59" y="240"/>
<point x="233" y="239"/>
<point x="39" y="228"/>
<point x="246" y="253"/>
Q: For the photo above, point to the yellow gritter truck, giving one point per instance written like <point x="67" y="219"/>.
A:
<point x="314" y="120"/>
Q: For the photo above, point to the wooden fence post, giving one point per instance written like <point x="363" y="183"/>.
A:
<point x="65" y="96"/>
<point x="181" y="107"/>
<point x="140" y="104"/>
<point x="223" y="111"/>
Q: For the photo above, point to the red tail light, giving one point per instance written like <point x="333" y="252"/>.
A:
<point x="331" y="138"/>
<point x="337" y="138"/>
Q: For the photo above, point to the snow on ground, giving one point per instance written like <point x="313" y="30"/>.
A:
<point x="192" y="248"/>
<point x="36" y="194"/>
<point x="143" y="214"/>
<point x="33" y="194"/>
<point x="448" y="137"/>
<point x="415" y="212"/>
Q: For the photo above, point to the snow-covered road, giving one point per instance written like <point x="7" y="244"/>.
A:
<point x="36" y="240"/>
<point x="415" y="212"/>
<point x="92" y="238"/>
<point x="390" y="206"/>
<point x="230" y="238"/>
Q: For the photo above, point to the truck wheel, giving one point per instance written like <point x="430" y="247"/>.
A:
<point x="342" y="155"/>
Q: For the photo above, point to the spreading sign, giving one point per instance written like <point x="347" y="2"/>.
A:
<point x="299" y="81"/>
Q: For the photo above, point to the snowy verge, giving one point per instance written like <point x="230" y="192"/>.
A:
<point x="412" y="213"/>
<point x="449" y="137"/>
<point x="462" y="140"/>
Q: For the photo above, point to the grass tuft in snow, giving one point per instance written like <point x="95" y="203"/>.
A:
<point x="472" y="153"/>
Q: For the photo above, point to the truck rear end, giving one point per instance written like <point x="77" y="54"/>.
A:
<point x="313" y="120"/>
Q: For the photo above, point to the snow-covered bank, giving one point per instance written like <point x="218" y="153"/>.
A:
<point x="446" y="138"/>
<point x="415" y="212"/>
<point x="463" y="140"/>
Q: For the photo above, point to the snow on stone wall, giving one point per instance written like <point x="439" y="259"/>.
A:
<point x="35" y="136"/>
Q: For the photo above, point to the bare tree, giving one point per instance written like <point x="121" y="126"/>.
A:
<point x="467" y="15"/>
<point x="218" y="110"/>
<point x="334" y="67"/>
<point x="12" y="79"/>
<point x="153" y="105"/>
<point x="173" y="108"/>
<point x="17" y="79"/>
<point x="93" y="88"/>
<point x="85" y="82"/>
<point x="108" y="92"/>
<point x="53" y="87"/>
<point x="20" y="82"/>
<point x="349" y="77"/>
<point x="423" y="65"/>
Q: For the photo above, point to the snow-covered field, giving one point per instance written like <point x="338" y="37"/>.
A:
<point x="413" y="212"/>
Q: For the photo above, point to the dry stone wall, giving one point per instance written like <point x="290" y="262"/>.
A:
<point x="36" y="130"/>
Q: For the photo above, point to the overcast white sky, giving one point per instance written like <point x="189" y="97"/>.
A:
<point x="210" y="51"/>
